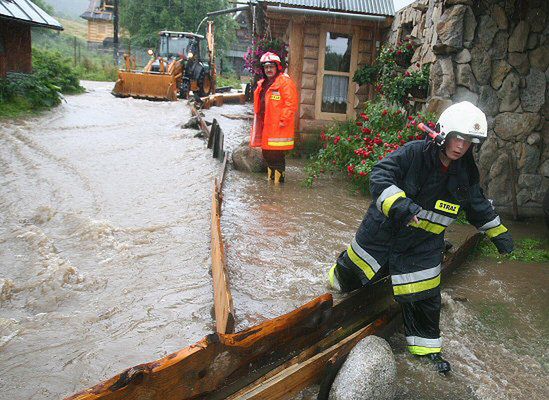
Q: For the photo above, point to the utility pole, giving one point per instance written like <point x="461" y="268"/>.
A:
<point x="115" y="38"/>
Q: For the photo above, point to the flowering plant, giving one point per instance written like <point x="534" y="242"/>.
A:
<point x="355" y="146"/>
<point x="261" y="46"/>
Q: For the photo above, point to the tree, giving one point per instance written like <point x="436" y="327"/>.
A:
<point x="143" y="19"/>
<point x="44" y="6"/>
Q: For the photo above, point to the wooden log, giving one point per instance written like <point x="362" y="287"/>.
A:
<point x="203" y="127"/>
<point x="223" y="300"/>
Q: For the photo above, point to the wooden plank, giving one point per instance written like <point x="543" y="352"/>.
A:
<point x="303" y="370"/>
<point x="295" y="69"/>
<point x="223" y="300"/>
<point x="203" y="127"/>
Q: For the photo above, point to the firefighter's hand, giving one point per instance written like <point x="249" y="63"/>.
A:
<point x="414" y="220"/>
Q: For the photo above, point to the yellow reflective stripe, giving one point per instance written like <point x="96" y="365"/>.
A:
<point x="422" y="351"/>
<point x="388" y="202"/>
<point x="363" y="265"/>
<point x="493" y="232"/>
<point x="417" y="286"/>
<point x="428" y="226"/>
<point x="280" y="144"/>
<point x="331" y="275"/>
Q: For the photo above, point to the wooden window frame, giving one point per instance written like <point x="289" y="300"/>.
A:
<point x="354" y="32"/>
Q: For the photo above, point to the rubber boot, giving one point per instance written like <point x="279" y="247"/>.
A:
<point x="270" y="174"/>
<point x="441" y="365"/>
<point x="278" y="176"/>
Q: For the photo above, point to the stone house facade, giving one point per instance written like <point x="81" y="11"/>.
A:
<point x="494" y="53"/>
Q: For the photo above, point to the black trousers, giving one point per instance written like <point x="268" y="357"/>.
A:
<point x="275" y="159"/>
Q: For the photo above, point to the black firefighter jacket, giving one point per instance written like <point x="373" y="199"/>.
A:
<point x="408" y="182"/>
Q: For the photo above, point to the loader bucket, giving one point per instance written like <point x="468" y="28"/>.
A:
<point x="146" y="85"/>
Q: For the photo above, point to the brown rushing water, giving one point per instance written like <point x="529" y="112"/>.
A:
<point x="104" y="256"/>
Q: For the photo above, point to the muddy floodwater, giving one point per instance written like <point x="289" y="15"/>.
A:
<point x="104" y="256"/>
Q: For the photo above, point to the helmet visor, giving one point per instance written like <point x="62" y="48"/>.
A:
<point x="467" y="138"/>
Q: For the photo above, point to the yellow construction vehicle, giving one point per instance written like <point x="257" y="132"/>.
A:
<point x="179" y="67"/>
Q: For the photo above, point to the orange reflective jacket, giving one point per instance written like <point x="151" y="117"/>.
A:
<point x="280" y="107"/>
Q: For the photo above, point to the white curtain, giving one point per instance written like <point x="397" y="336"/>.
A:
<point x="335" y="89"/>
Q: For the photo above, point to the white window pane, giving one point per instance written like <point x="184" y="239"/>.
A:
<point x="338" y="52"/>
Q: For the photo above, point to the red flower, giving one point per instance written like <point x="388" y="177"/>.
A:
<point x="380" y="157"/>
<point x="407" y="73"/>
<point x="337" y="139"/>
<point x="364" y="117"/>
<point x="410" y="118"/>
<point x="363" y="162"/>
<point x="363" y="173"/>
<point x="411" y="137"/>
<point x="431" y="125"/>
<point x="351" y="169"/>
<point x="358" y="123"/>
<point x="417" y="65"/>
<point x="384" y="112"/>
<point x="322" y="136"/>
<point x="409" y="46"/>
<point x="378" y="141"/>
<point x="398" y="112"/>
<point x="399" y="52"/>
<point x="366" y="131"/>
<point x="419" y="137"/>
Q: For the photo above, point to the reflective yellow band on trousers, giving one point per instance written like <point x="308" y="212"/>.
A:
<point x="428" y="226"/>
<point x="417" y="286"/>
<point x="359" y="262"/>
<point x="331" y="275"/>
<point x="422" y="351"/>
<point x="493" y="232"/>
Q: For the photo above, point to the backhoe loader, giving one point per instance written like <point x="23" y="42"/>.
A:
<point x="177" y="68"/>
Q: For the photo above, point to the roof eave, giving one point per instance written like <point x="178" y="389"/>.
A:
<point x="32" y="23"/>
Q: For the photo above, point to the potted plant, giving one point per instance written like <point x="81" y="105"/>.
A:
<point x="417" y="82"/>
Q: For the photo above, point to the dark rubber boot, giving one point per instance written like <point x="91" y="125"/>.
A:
<point x="441" y="365"/>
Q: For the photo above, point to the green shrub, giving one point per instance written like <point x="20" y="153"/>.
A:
<point x="55" y="69"/>
<point x="355" y="146"/>
<point x="366" y="74"/>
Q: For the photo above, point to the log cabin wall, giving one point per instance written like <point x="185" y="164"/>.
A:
<point x="15" y="47"/>
<point x="99" y="30"/>
<point x="306" y="38"/>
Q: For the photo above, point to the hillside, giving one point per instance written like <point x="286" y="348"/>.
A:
<point x="74" y="27"/>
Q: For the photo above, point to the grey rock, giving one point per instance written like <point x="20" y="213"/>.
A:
<point x="488" y="100"/>
<point x="246" y="158"/>
<point x="469" y="27"/>
<point x="456" y="2"/>
<point x="500" y="69"/>
<point x="486" y="31"/>
<point x="450" y="27"/>
<point x="500" y="165"/>
<point x="443" y="49"/>
<point x="539" y="58"/>
<point x="533" y="40"/>
<point x="515" y="126"/>
<point x="533" y="139"/>
<point x="499" y="46"/>
<point x="537" y="18"/>
<point x="520" y="62"/>
<point x="437" y="105"/>
<point x="463" y="57"/>
<point x="529" y="180"/>
<point x="481" y="65"/>
<point x="368" y="373"/>
<point x="487" y="154"/>
<point x="465" y="77"/>
<point x="498" y="13"/>
<point x="544" y="169"/>
<point x="519" y="37"/>
<point x="524" y="196"/>
<point x="532" y="96"/>
<point x="442" y="77"/>
<point x="464" y="94"/>
<point x="508" y="94"/>
<point x="529" y="159"/>
<point x="192" y="123"/>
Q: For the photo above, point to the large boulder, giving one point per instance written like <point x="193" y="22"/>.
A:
<point x="515" y="126"/>
<point x="368" y="373"/>
<point x="519" y="37"/>
<point x="249" y="159"/>
<point x="508" y="93"/>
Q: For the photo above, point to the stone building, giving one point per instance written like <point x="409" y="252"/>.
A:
<point x="494" y="53"/>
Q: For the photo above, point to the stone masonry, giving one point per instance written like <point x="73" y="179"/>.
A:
<point x="495" y="54"/>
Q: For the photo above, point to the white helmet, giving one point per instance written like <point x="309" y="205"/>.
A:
<point x="465" y="120"/>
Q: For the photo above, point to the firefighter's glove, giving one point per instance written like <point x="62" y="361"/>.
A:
<point x="402" y="212"/>
<point x="504" y="243"/>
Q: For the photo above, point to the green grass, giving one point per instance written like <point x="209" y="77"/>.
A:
<point x="17" y="107"/>
<point x="526" y="250"/>
<point x="228" y="80"/>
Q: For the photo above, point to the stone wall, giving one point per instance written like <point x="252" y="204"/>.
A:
<point x="494" y="53"/>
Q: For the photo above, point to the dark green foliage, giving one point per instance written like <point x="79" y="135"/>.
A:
<point x="526" y="250"/>
<point x="366" y="74"/>
<point x="52" y="75"/>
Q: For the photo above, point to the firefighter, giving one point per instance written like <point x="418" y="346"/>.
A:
<point x="418" y="191"/>
<point x="275" y="104"/>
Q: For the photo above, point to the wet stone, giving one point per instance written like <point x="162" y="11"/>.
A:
<point x="488" y="100"/>
<point x="533" y="95"/>
<point x="508" y="94"/>
<point x="519" y="37"/>
<point x="464" y="94"/>
<point x="498" y="13"/>
<point x="466" y="78"/>
<point x="481" y="64"/>
<point x="539" y="58"/>
<point x="500" y="69"/>
<point x="246" y="158"/>
<point x="499" y="46"/>
<point x="520" y="62"/>
<point x="515" y="126"/>
<point x="368" y="373"/>
<point x="463" y="57"/>
<point x="450" y="27"/>
<point x="486" y="31"/>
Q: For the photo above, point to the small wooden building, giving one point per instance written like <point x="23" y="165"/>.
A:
<point x="328" y="40"/>
<point x="16" y="19"/>
<point x="100" y="22"/>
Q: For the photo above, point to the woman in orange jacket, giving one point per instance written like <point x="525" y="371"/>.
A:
<point x="275" y="104"/>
